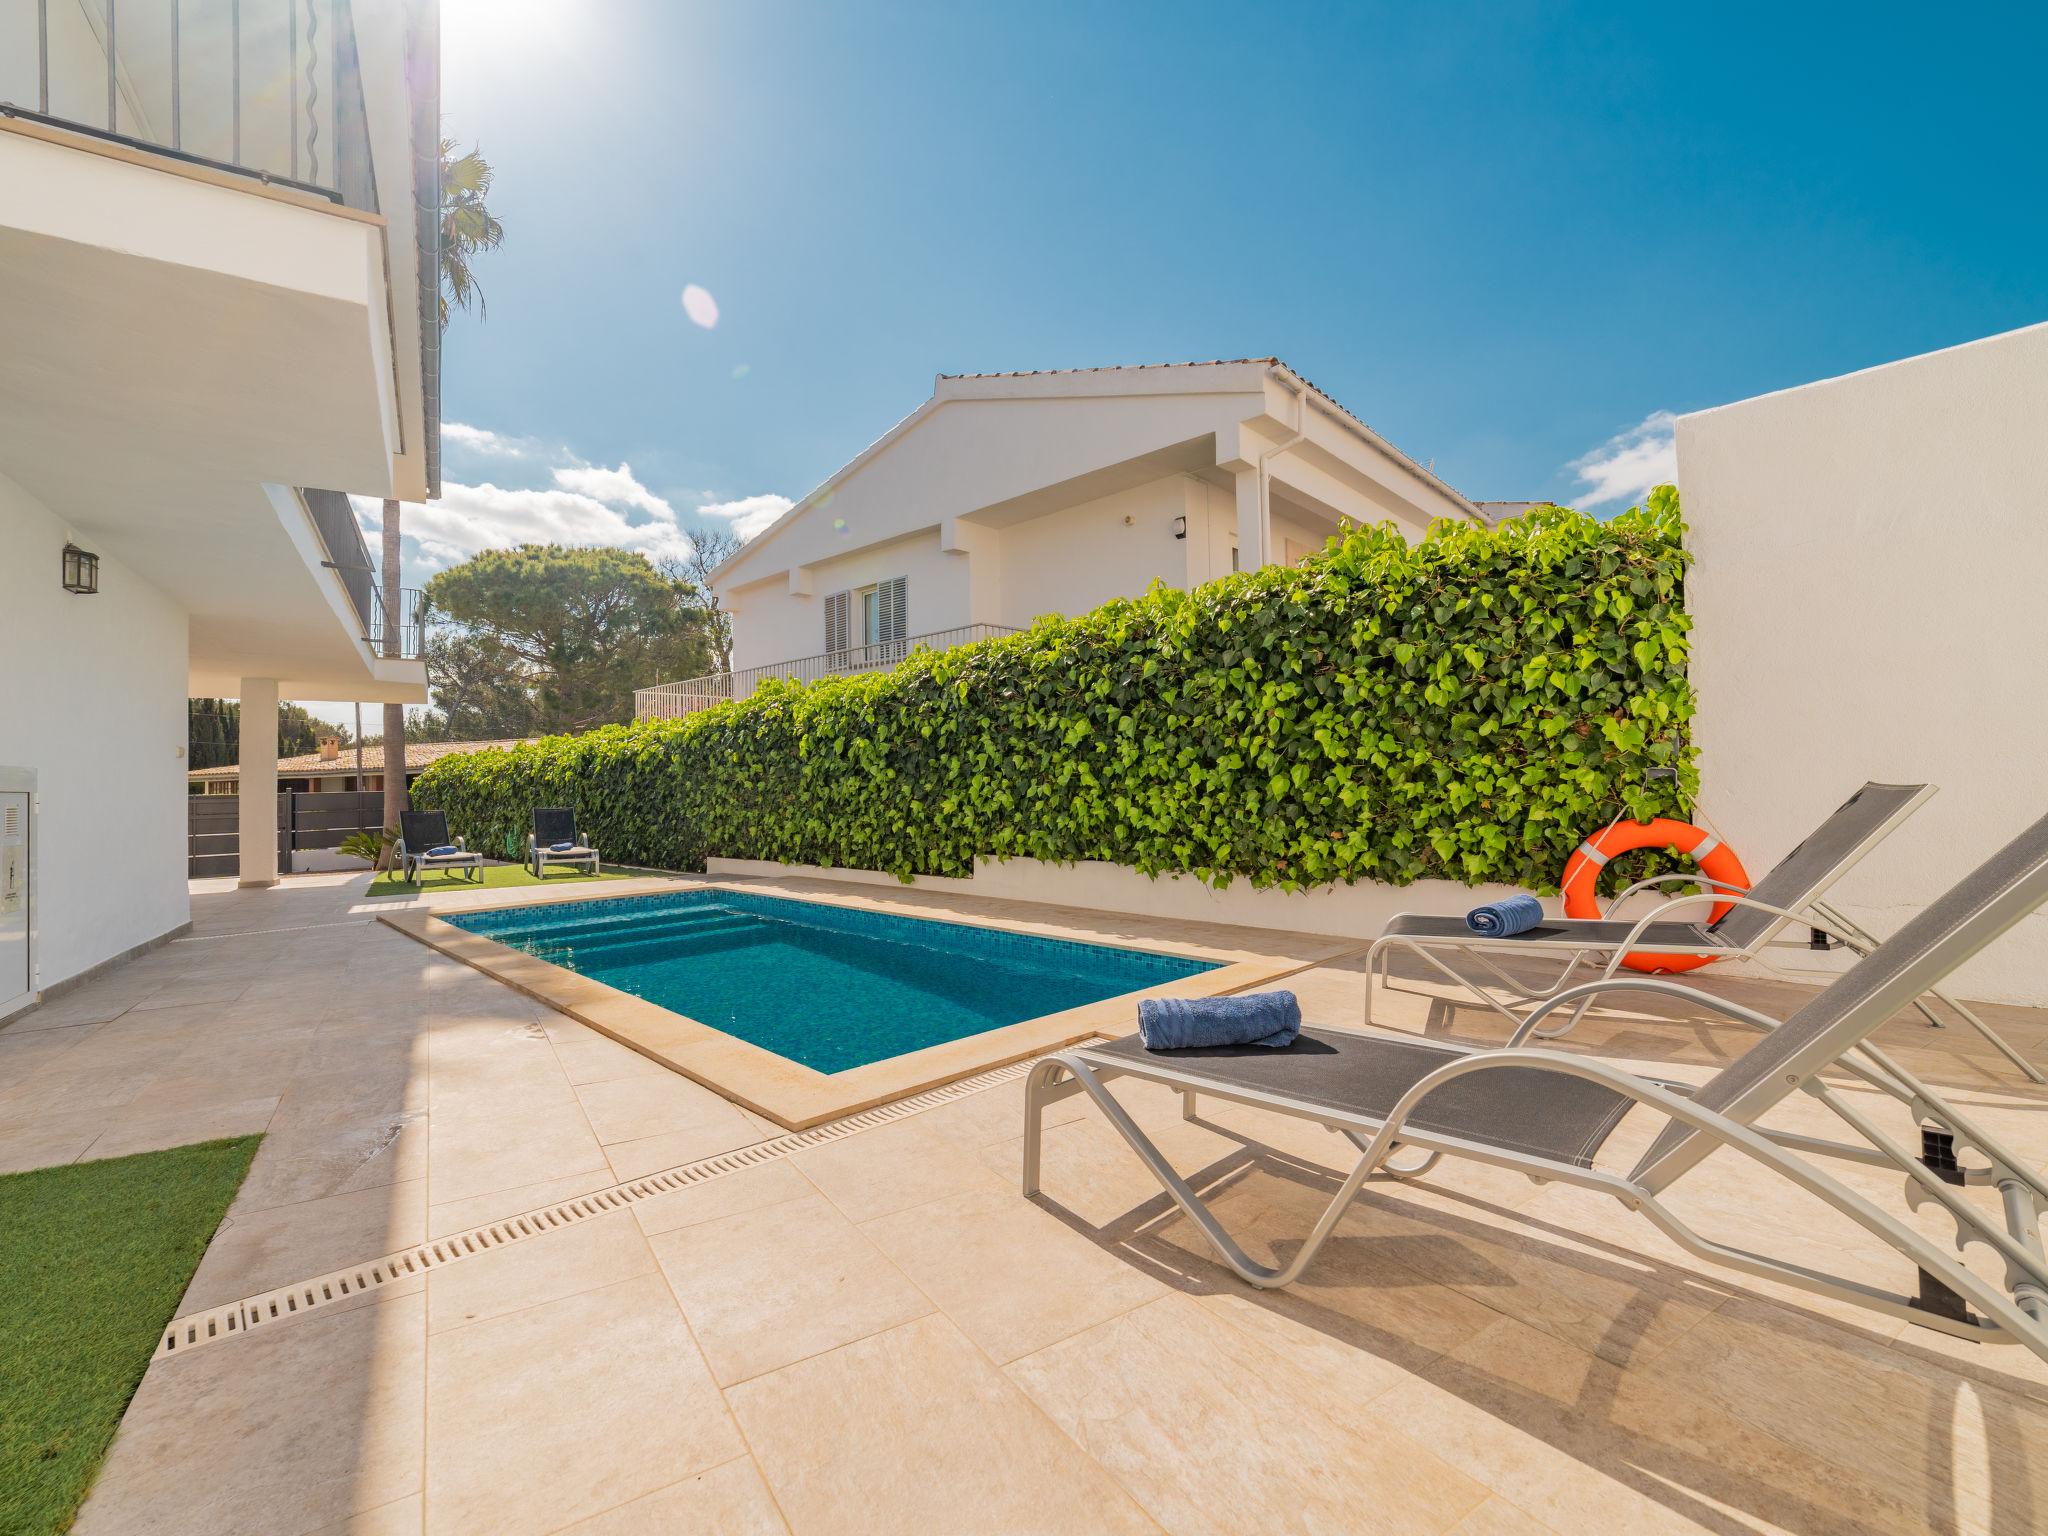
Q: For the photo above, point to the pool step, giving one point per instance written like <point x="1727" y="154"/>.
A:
<point x="638" y="920"/>
<point x="657" y="939"/>
<point x="615" y="957"/>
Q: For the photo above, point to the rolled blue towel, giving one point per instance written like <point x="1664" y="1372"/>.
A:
<point x="442" y="851"/>
<point x="560" y="847"/>
<point x="1253" y="1018"/>
<point x="1505" y="919"/>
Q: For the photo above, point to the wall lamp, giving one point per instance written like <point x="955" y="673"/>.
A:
<point x="81" y="570"/>
<point x="1180" y="527"/>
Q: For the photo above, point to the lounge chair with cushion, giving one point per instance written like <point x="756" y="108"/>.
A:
<point x="1546" y="1113"/>
<point x="1791" y="895"/>
<point x="424" y="843"/>
<point x="554" y="840"/>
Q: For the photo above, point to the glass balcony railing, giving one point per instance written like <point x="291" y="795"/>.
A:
<point x="267" y="88"/>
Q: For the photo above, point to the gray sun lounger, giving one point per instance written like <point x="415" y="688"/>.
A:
<point x="557" y="824"/>
<point x="1545" y="1113"/>
<point x="1791" y="895"/>
<point x="420" y="830"/>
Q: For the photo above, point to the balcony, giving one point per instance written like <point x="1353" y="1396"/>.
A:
<point x="265" y="89"/>
<point x="348" y="556"/>
<point x="671" y="701"/>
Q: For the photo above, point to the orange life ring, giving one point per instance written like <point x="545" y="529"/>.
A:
<point x="1717" y="861"/>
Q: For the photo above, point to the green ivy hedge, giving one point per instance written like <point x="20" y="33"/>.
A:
<point x="1465" y="708"/>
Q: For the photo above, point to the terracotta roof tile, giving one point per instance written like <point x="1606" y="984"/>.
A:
<point x="417" y="755"/>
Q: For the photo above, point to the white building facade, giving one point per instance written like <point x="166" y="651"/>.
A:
<point x="1008" y="496"/>
<point x="219" y="312"/>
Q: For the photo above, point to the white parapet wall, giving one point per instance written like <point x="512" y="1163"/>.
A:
<point x="1870" y="596"/>
<point x="1344" y="911"/>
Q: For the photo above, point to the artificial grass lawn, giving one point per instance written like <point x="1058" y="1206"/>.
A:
<point x="495" y="875"/>
<point x="95" y="1257"/>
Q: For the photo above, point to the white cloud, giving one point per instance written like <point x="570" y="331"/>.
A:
<point x="616" y="487"/>
<point x="1629" y="464"/>
<point x="470" y="518"/>
<point x="750" y="514"/>
<point x="485" y="443"/>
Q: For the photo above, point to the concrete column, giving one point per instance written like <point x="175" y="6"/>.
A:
<point x="1254" y="534"/>
<point x="258" y="759"/>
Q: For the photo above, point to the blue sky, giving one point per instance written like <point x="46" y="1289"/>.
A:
<point x="1508" y="236"/>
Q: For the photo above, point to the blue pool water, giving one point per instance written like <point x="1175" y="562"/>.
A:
<point x="831" y="987"/>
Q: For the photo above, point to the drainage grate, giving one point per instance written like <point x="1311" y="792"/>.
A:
<point x="257" y="1313"/>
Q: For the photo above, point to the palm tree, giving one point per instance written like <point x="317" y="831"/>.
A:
<point x="467" y="225"/>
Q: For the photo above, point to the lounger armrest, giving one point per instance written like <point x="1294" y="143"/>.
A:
<point x="1692" y="879"/>
<point x="1657" y="912"/>
<point x="1675" y="989"/>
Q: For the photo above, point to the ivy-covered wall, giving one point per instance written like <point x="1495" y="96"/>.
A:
<point x="1467" y="708"/>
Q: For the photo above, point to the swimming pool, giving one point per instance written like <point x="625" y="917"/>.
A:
<point x="828" y="986"/>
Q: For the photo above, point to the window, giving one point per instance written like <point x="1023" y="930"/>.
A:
<point x="868" y="617"/>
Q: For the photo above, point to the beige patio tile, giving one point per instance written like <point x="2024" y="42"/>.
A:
<point x="1906" y="1425"/>
<point x="552" y="1414"/>
<point x="28" y="1141"/>
<point x="937" y="1441"/>
<point x="310" y="1163"/>
<point x="479" y="1154"/>
<point x="1574" y="1287"/>
<point x="726" y="1501"/>
<point x="1497" y="1517"/>
<point x="258" y="1251"/>
<point x="651" y="1154"/>
<point x="131" y="1132"/>
<point x="289" y="1431"/>
<point x="1013" y="1277"/>
<point x="767" y="1287"/>
<point x="584" y="1256"/>
<point x="23" y="1051"/>
<point x="194" y="992"/>
<point x="480" y="1210"/>
<point x="589" y="1057"/>
<point x="1211" y="1432"/>
<point x="893" y="1168"/>
<point x="637" y="1107"/>
<point x="977" y="1120"/>
<point x="401" y="1517"/>
<point x="1585" y="1445"/>
<point x="726" y="1195"/>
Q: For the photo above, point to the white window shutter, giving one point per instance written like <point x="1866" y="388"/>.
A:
<point x="895" y="606"/>
<point x="837" y="609"/>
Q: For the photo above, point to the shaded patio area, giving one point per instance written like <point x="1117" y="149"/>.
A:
<point x="877" y="1333"/>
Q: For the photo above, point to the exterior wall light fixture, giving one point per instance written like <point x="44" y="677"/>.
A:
<point x="81" y="570"/>
<point x="1180" y="527"/>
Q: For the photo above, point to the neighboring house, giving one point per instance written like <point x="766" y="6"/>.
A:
<point x="332" y="769"/>
<point x="1007" y="496"/>
<point x="219" y="319"/>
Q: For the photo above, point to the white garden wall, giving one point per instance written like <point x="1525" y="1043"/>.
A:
<point x="92" y="698"/>
<point x="1871" y="602"/>
<point x="1344" y="911"/>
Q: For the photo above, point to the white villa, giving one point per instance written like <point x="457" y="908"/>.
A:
<point x="1006" y="496"/>
<point x="220" y="319"/>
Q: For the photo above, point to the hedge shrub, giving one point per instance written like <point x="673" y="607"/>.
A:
<point x="1466" y="708"/>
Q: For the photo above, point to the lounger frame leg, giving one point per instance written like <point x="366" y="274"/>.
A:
<point x="1241" y="1263"/>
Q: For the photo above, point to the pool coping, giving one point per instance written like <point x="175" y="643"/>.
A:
<point x="787" y="1092"/>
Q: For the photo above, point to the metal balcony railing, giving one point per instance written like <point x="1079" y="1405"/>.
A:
<point x="668" y="701"/>
<point x="266" y="88"/>
<point x="412" y="625"/>
<point x="348" y="556"/>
